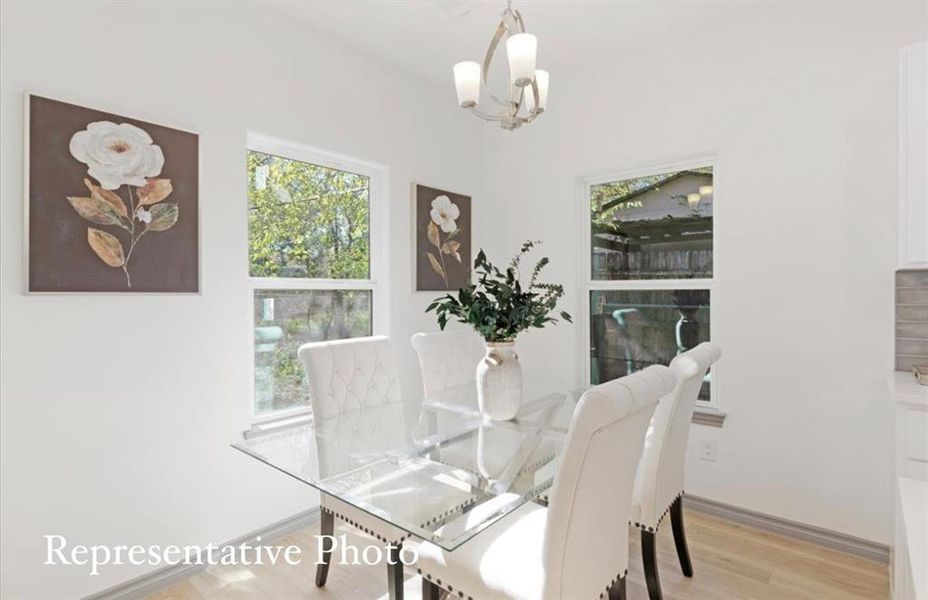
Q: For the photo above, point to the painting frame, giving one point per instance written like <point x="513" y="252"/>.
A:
<point x="94" y="104"/>
<point x="422" y="196"/>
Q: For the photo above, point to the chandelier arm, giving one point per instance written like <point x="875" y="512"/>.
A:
<point x="517" y="105"/>
<point x="487" y="117"/>
<point x="501" y="30"/>
<point x="517" y="17"/>
<point x="537" y="96"/>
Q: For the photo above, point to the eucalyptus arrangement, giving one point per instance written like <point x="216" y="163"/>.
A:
<point x="500" y="306"/>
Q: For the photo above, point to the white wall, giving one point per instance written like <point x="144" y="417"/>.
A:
<point x="117" y="410"/>
<point x="799" y="103"/>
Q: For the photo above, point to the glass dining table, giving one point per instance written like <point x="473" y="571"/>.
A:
<point x="433" y="468"/>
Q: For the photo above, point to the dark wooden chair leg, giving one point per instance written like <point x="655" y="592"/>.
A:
<point x="326" y="527"/>
<point x="679" y="537"/>
<point x="430" y="591"/>
<point x="618" y="591"/>
<point x="394" y="572"/>
<point x="649" y="557"/>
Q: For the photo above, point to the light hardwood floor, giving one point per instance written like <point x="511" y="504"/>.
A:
<point x="731" y="562"/>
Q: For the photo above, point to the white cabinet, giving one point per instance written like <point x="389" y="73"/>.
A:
<point x="913" y="156"/>
<point x="910" y="545"/>
<point x="910" y="572"/>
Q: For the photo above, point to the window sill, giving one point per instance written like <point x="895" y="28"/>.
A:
<point x="277" y="425"/>
<point x="709" y="415"/>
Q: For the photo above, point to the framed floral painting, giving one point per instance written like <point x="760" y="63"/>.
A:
<point x="111" y="202"/>
<point x="443" y="239"/>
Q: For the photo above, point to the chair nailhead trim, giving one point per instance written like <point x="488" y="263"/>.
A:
<point x="366" y="530"/>
<point x="470" y="501"/>
<point x="461" y="592"/>
<point x="454" y="509"/>
<point x="613" y="582"/>
<point x="644" y="527"/>
<point x="537" y="464"/>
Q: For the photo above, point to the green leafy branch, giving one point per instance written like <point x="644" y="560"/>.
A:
<point x="499" y="306"/>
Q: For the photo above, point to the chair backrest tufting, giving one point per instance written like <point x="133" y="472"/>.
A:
<point x="349" y="374"/>
<point x="660" y="477"/>
<point x="448" y="360"/>
<point x="586" y="543"/>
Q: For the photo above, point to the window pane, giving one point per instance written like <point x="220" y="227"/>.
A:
<point x="287" y="319"/>
<point x="306" y="221"/>
<point x="653" y="227"/>
<point x="632" y="329"/>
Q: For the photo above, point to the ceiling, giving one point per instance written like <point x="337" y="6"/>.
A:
<point x="427" y="37"/>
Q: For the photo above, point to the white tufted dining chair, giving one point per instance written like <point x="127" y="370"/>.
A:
<point x="660" y="481"/>
<point x="577" y="546"/>
<point x="448" y="362"/>
<point x="343" y="376"/>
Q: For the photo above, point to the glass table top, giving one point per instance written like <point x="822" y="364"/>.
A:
<point x="434" y="468"/>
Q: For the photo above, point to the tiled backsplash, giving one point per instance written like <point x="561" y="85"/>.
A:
<point x="911" y="318"/>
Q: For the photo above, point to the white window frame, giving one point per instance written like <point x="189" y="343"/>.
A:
<point x="590" y="285"/>
<point x="378" y="176"/>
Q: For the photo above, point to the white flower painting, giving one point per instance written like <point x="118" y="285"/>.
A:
<point x="443" y="261"/>
<point x="444" y="213"/>
<point x="117" y="155"/>
<point x="101" y="198"/>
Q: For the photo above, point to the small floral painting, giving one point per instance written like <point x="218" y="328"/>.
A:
<point x="443" y="239"/>
<point x="112" y="202"/>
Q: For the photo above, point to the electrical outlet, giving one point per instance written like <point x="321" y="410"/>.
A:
<point x="708" y="450"/>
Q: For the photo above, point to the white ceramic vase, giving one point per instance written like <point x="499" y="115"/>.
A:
<point x="499" y="381"/>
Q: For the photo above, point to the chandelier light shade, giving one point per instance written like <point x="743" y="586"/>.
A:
<point x="521" y="49"/>
<point x="527" y="93"/>
<point x="467" y="82"/>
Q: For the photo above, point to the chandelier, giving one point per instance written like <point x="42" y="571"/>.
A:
<point x="527" y="86"/>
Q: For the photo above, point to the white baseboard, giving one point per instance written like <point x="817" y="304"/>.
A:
<point x="800" y="531"/>
<point x="166" y="576"/>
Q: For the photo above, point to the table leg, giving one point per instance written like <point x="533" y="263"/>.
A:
<point x="430" y="591"/>
<point x="326" y="527"/>
<point x="394" y="572"/>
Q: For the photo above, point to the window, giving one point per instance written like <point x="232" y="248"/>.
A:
<point x="632" y="329"/>
<point x="312" y="258"/>
<point x="650" y="267"/>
